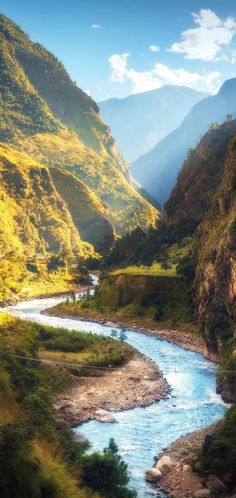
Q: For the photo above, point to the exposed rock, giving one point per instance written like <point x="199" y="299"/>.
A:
<point x="153" y="475"/>
<point x="187" y="468"/>
<point x="104" y="417"/>
<point x="215" y="484"/>
<point x="79" y="438"/>
<point x="202" y="493"/>
<point x="119" y="389"/>
<point x="164" y="464"/>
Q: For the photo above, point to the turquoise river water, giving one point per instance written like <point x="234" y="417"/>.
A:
<point x="142" y="433"/>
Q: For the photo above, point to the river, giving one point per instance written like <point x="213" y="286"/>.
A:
<point x="142" y="433"/>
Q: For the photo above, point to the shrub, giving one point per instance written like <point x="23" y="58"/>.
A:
<point x="107" y="473"/>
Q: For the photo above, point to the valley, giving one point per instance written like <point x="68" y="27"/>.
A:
<point x="117" y="280"/>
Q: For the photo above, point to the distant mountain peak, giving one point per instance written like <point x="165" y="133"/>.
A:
<point x="138" y="122"/>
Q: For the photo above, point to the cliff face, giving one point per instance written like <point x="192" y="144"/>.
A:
<point x="200" y="178"/>
<point x="206" y="193"/>
<point x="46" y="115"/>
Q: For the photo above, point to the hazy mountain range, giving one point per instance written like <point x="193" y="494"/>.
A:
<point x="158" y="169"/>
<point x="138" y="122"/>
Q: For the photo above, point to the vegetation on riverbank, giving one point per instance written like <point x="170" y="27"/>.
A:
<point x="219" y="451"/>
<point x="149" y="300"/>
<point x="38" y="458"/>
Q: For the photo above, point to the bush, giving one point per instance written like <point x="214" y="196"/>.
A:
<point x="107" y="473"/>
<point x="186" y="269"/>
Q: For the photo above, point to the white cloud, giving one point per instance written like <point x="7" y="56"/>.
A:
<point x="154" y="48"/>
<point x="95" y="26"/>
<point x="207" y="40"/>
<point x="88" y="92"/>
<point x="118" y="65"/>
<point x="159" y="75"/>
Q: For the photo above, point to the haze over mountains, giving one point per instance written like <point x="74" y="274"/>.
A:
<point x="158" y="169"/>
<point x="138" y="122"/>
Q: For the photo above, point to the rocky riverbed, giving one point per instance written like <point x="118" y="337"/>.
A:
<point x="138" y="383"/>
<point x="178" y="471"/>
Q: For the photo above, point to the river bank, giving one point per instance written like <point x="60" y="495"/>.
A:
<point x="180" y="468"/>
<point x="186" y="340"/>
<point x="143" y="432"/>
<point x="137" y="383"/>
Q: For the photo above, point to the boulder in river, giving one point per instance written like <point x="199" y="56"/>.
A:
<point x="104" y="416"/>
<point x="79" y="438"/>
<point x="153" y="475"/>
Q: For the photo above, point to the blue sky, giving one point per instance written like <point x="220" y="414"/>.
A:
<point x="118" y="47"/>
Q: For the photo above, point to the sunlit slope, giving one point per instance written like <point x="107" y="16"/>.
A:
<point x="36" y="225"/>
<point x="28" y="73"/>
<point x="22" y="111"/>
<point x="66" y="100"/>
<point x="126" y="208"/>
<point x="88" y="213"/>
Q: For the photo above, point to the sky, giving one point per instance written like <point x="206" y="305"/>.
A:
<point x="114" y="48"/>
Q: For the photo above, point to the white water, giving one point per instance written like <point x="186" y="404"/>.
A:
<point x="142" y="433"/>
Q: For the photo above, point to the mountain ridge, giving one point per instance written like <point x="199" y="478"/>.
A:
<point x="135" y="120"/>
<point x="162" y="164"/>
<point x="28" y="124"/>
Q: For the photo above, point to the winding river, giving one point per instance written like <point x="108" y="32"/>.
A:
<point x="142" y="433"/>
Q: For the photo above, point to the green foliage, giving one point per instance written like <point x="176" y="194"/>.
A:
<point x="186" y="269"/>
<point x="37" y="458"/>
<point x="19" y="470"/>
<point x="227" y="369"/>
<point x="222" y="449"/>
<point x="107" y="473"/>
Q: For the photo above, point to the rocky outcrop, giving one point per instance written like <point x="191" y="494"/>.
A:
<point x="204" y="201"/>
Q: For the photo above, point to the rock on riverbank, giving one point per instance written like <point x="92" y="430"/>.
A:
<point x="178" y="471"/>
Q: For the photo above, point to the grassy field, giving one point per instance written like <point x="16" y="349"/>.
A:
<point x="155" y="270"/>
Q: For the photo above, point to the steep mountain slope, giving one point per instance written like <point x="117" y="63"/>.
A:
<point x="35" y="222"/>
<point x="196" y="241"/>
<point x="199" y="178"/>
<point x="88" y="213"/>
<point x="140" y="121"/>
<point x="66" y="101"/>
<point x="30" y="126"/>
<point x="157" y="171"/>
<point x="205" y="194"/>
<point x="22" y="111"/>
